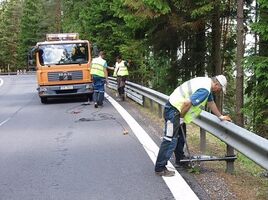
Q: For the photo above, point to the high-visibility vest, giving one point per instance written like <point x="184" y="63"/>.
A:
<point x="194" y="112"/>
<point x="97" y="67"/>
<point x="183" y="93"/>
<point x="120" y="69"/>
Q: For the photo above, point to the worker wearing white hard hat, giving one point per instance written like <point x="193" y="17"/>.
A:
<point x="223" y="81"/>
<point x="183" y="106"/>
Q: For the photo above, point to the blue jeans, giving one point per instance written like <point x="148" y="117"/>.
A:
<point x="98" y="86"/>
<point x="170" y="143"/>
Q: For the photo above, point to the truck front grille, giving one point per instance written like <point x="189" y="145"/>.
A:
<point x="65" y="76"/>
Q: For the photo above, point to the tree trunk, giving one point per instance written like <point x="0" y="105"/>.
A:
<point x="254" y="113"/>
<point x="200" y="49"/>
<point x="225" y="31"/>
<point x="239" y="68"/>
<point x="216" y="48"/>
<point x="58" y="16"/>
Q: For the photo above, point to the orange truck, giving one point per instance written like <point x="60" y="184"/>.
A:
<point x="63" y="66"/>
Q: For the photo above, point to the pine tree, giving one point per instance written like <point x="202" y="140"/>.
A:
<point x="9" y="30"/>
<point x="258" y="83"/>
<point x="32" y="28"/>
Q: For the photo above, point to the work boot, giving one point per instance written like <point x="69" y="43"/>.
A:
<point x="96" y="105"/>
<point x="123" y="97"/>
<point x="166" y="173"/>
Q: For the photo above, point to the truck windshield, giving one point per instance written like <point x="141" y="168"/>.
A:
<point x="62" y="54"/>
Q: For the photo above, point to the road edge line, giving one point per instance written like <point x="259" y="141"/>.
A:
<point x="176" y="184"/>
<point x="1" y="82"/>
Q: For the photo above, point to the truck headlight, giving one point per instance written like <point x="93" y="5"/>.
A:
<point x="42" y="89"/>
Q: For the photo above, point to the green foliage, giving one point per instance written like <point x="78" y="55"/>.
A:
<point x="263" y="3"/>
<point x="159" y="67"/>
<point x="32" y="29"/>
<point x="158" y="6"/>
<point x="123" y="11"/>
<point x="257" y="101"/>
<point x="147" y="8"/>
<point x="9" y="30"/>
<point x="22" y="25"/>
<point x="166" y="42"/>
<point x="229" y="70"/>
<point x="202" y="10"/>
<point x="98" y="24"/>
<point x="134" y="52"/>
<point x="249" y="165"/>
<point x="194" y="169"/>
<point x="257" y="84"/>
<point x="261" y="28"/>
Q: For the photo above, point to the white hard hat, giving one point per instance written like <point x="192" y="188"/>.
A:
<point x="223" y="81"/>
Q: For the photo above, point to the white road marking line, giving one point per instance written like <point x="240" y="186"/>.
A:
<point x="5" y="121"/>
<point x="177" y="185"/>
<point x="1" y="82"/>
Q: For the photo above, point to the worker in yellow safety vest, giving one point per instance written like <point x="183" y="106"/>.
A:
<point x="185" y="104"/>
<point x="121" y="72"/>
<point x="99" y="74"/>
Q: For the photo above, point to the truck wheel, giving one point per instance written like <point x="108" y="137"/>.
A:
<point x="43" y="100"/>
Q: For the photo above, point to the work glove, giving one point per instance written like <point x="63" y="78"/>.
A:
<point x="225" y="118"/>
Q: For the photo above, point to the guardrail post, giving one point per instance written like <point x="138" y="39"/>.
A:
<point x="230" y="163"/>
<point x="143" y="100"/>
<point x="151" y="105"/>
<point x="202" y="140"/>
<point x="160" y="111"/>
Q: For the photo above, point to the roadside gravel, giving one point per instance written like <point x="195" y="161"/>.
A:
<point x="215" y="186"/>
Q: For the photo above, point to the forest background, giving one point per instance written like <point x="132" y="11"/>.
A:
<point x="166" y="42"/>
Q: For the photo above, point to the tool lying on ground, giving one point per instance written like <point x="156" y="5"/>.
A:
<point x="199" y="158"/>
<point x="196" y="159"/>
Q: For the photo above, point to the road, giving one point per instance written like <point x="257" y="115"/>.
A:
<point x="67" y="149"/>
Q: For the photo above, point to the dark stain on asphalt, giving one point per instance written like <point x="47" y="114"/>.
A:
<point x="97" y="117"/>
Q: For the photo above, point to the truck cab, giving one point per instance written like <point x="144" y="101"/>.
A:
<point x="63" y="66"/>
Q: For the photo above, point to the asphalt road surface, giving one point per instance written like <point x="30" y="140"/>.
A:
<point x="68" y="150"/>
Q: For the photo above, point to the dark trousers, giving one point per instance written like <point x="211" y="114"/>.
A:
<point x="98" y="86"/>
<point x="179" y="153"/>
<point x="171" y="142"/>
<point x="121" y="82"/>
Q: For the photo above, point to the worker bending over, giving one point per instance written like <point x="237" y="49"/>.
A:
<point x="185" y="104"/>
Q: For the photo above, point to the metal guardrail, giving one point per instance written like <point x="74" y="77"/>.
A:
<point x="251" y="145"/>
<point x="18" y="73"/>
<point x="7" y="73"/>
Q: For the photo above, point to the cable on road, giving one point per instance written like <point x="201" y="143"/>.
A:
<point x="77" y="109"/>
<point x="95" y="116"/>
